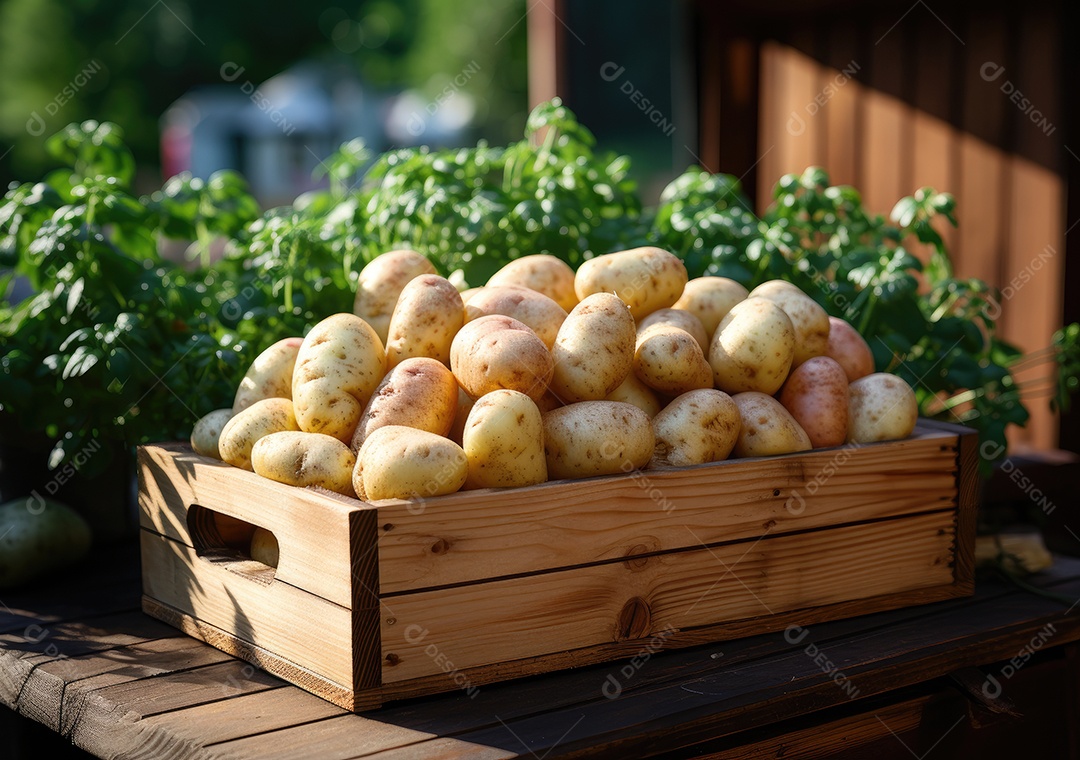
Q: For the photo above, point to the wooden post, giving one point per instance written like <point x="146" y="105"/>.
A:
<point x="547" y="57"/>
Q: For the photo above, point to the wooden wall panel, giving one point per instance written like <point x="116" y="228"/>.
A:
<point x="921" y="111"/>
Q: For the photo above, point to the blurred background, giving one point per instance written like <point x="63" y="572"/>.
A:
<point x="970" y="98"/>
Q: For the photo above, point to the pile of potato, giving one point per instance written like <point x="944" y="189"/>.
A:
<point x="545" y="374"/>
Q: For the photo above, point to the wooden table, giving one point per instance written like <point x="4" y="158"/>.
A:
<point x="77" y="655"/>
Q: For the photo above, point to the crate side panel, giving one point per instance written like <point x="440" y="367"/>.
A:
<point x="477" y="535"/>
<point x="304" y="629"/>
<point x="312" y="528"/>
<point x="509" y="619"/>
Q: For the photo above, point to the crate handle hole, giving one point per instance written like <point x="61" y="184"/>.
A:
<point x="234" y="544"/>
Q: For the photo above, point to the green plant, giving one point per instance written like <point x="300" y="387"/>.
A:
<point x="118" y="344"/>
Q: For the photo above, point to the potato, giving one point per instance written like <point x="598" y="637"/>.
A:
<point x="710" y="299"/>
<point x="767" y="427"/>
<point x="381" y="282"/>
<point x="810" y="321"/>
<point x="752" y="348"/>
<point x="594" y="350"/>
<point x="816" y="395"/>
<point x="207" y="432"/>
<point x="464" y="406"/>
<point x="684" y="320"/>
<point x="428" y="315"/>
<point x="669" y="360"/>
<point x="881" y="407"/>
<point x="533" y="309"/>
<point x="271" y="415"/>
<point x="504" y="442"/>
<point x="270" y="375"/>
<point x="264" y="547"/>
<point x="305" y="459"/>
<point x="419" y="393"/>
<point x="549" y="401"/>
<point x="500" y="352"/>
<point x="596" y="438"/>
<point x="233" y="532"/>
<point x="466" y="295"/>
<point x="39" y="536"/>
<point x="697" y="427"/>
<point x="398" y="462"/>
<point x="849" y="349"/>
<point x="339" y="366"/>
<point x="647" y="279"/>
<point x="543" y="273"/>
<point x="633" y="391"/>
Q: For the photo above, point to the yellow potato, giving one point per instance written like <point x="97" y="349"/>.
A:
<point x="464" y="406"/>
<point x="428" y="314"/>
<point x="381" y="281"/>
<point x="399" y="462"/>
<point x="543" y="273"/>
<point x="633" y="391"/>
<point x="810" y="321"/>
<point x="271" y="415"/>
<point x="549" y="401"/>
<point x="647" y="279"/>
<point x="419" y="393"/>
<point x="207" y="432"/>
<point x="467" y="294"/>
<point x="594" y="350"/>
<point x="752" y="348"/>
<point x="710" y="299"/>
<point x="270" y="375"/>
<point x="684" y="320"/>
<point x="504" y="442"/>
<point x="767" y="427"/>
<point x="305" y="459"/>
<point x="669" y="360"/>
<point x="264" y="547"/>
<point x="816" y="394"/>
<point x="881" y="407"/>
<point x="529" y="307"/>
<point x="849" y="349"/>
<point x="500" y="352"/>
<point x="596" y="438"/>
<point x="339" y="366"/>
<point x="697" y="427"/>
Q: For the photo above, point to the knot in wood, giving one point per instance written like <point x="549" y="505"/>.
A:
<point x="635" y="619"/>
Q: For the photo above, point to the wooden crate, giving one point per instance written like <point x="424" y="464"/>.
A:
<point x="373" y="602"/>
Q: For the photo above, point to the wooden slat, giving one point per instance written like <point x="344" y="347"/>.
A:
<point x="828" y="739"/>
<point x="1031" y="290"/>
<point x="841" y="114"/>
<point x="277" y="616"/>
<point x="981" y="229"/>
<point x="333" y="739"/>
<point x="46" y="693"/>
<point x="739" y="698"/>
<point x="884" y="118"/>
<point x="473" y="535"/>
<point x="591" y="605"/>
<point x="241" y="716"/>
<point x="312" y="528"/>
<point x="109" y="722"/>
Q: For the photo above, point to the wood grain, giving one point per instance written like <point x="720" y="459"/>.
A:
<point x="312" y="527"/>
<point x="584" y="607"/>
<point x="279" y="617"/>
<point x="473" y="535"/>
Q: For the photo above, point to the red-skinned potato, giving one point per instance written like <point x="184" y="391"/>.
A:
<point x="816" y="395"/>
<point x="849" y="350"/>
